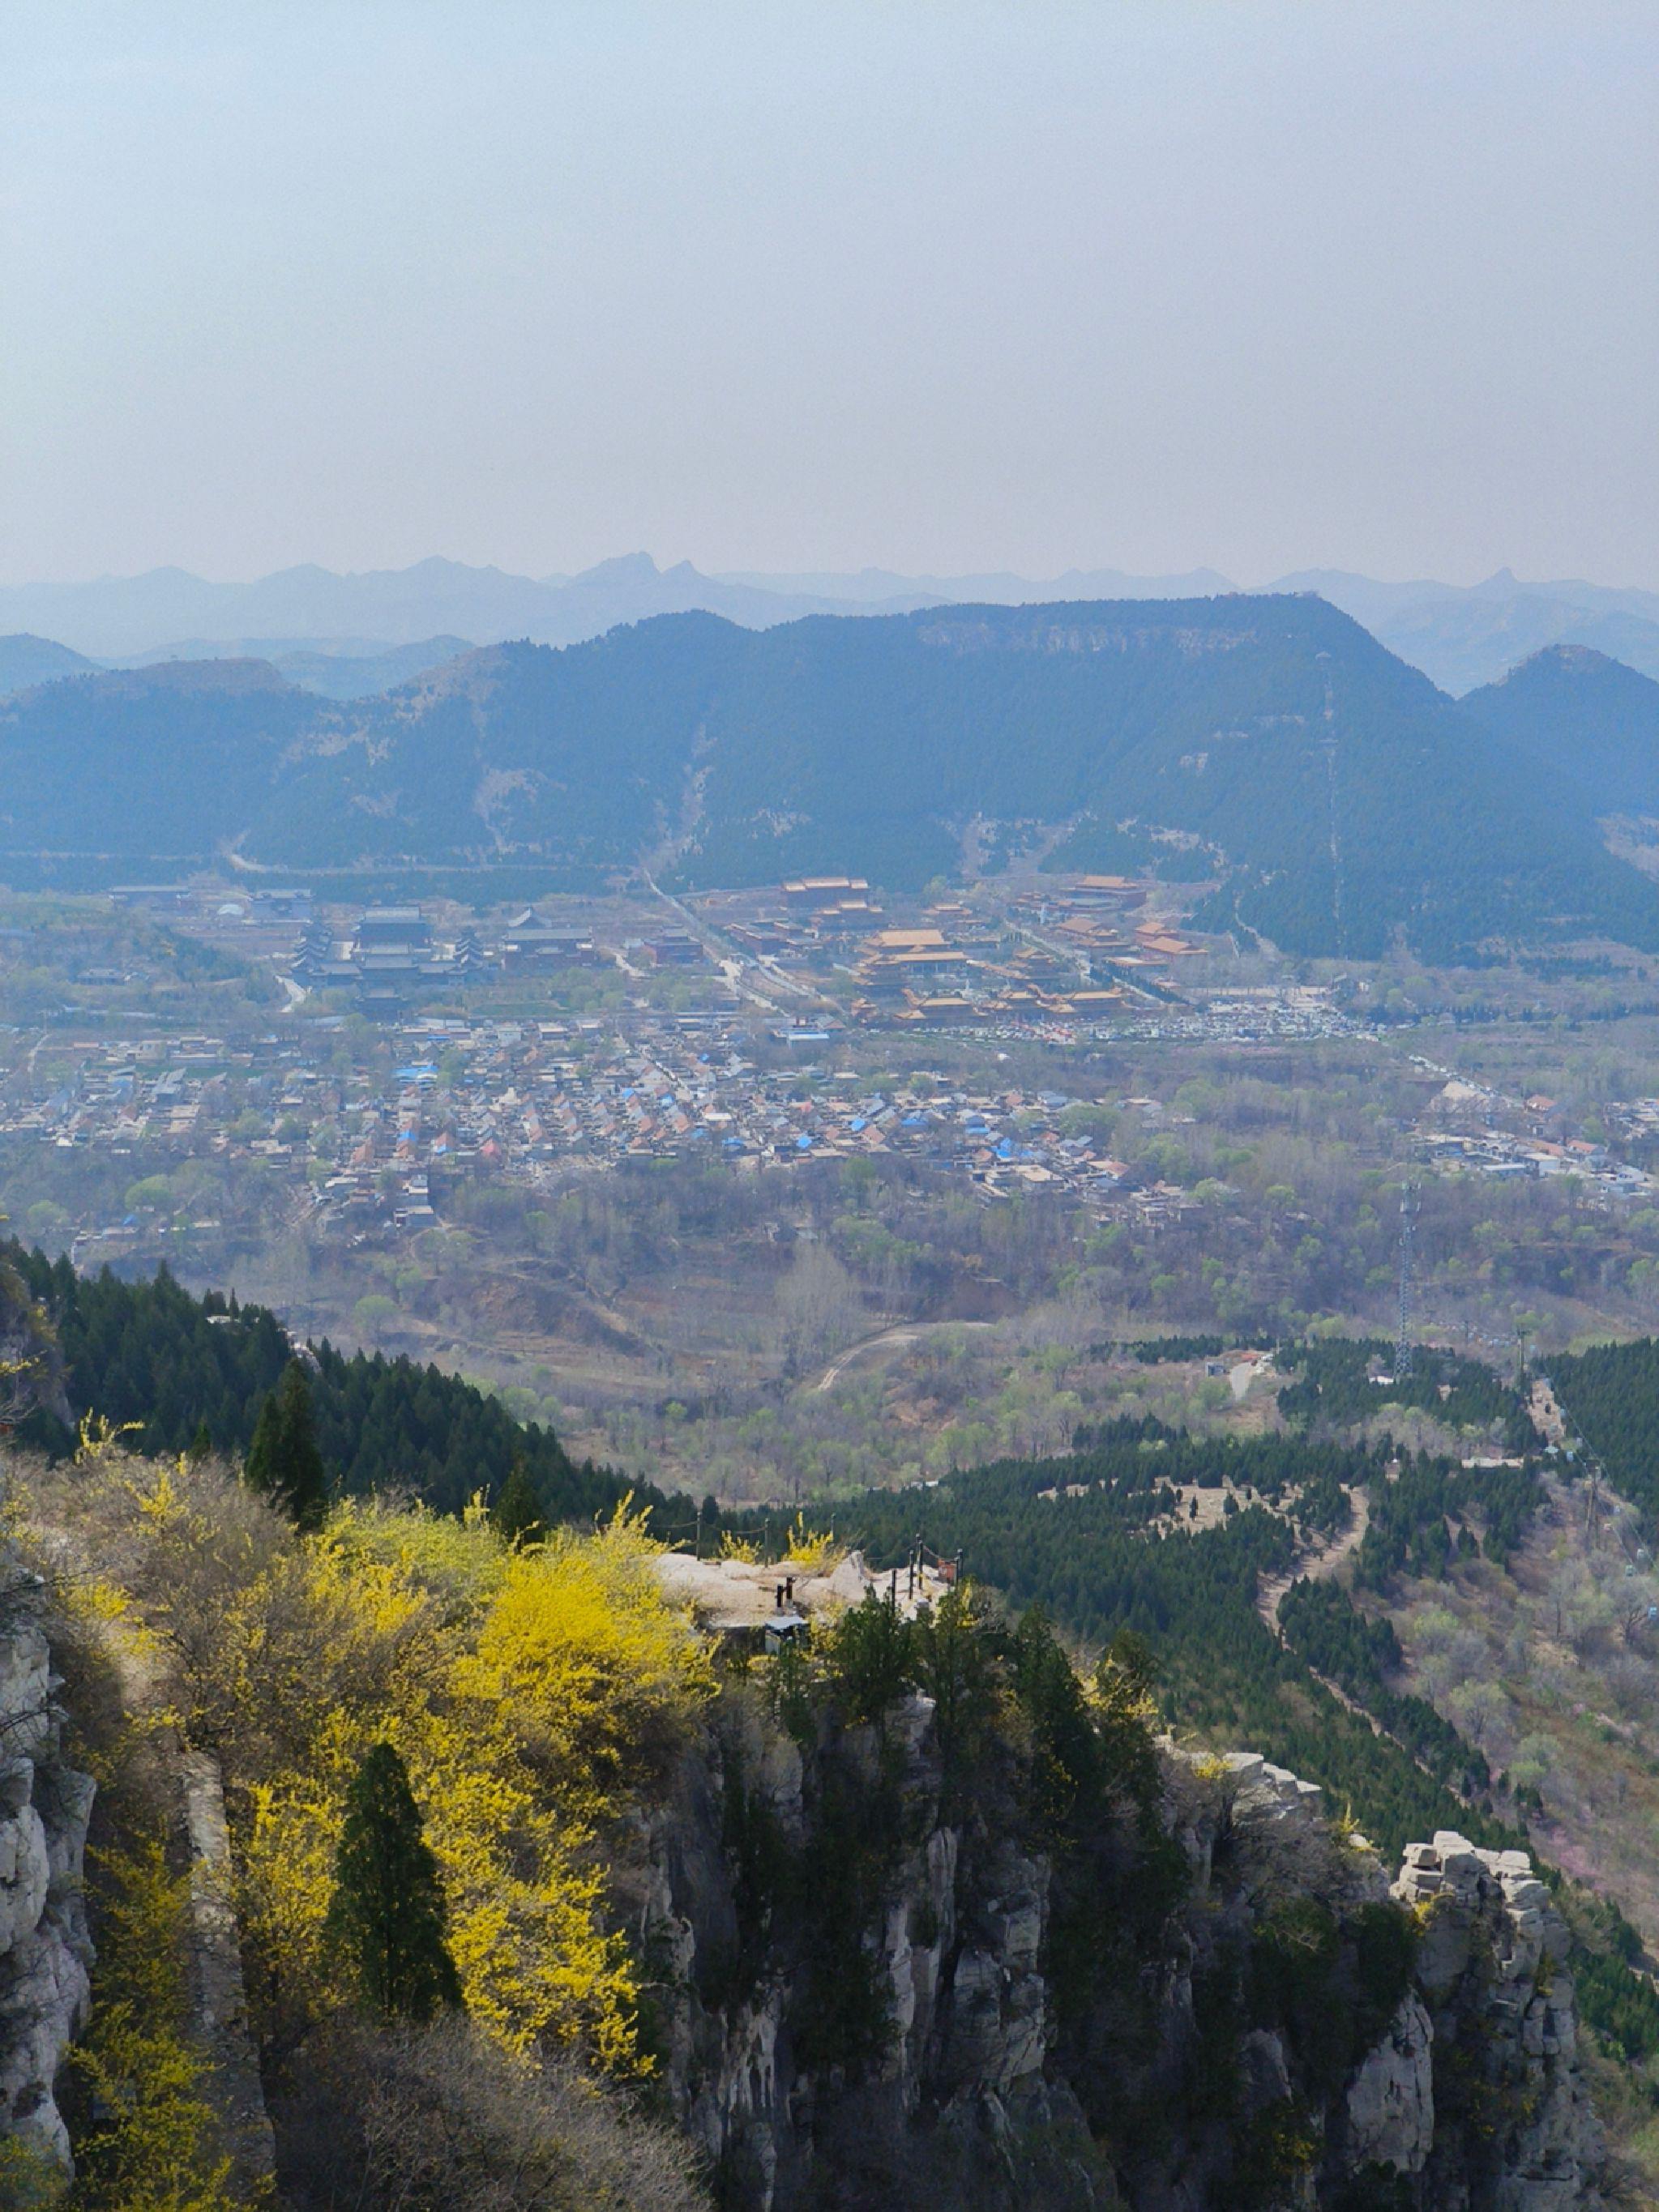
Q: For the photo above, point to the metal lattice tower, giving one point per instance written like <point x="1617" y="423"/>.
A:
<point x="1409" y="1203"/>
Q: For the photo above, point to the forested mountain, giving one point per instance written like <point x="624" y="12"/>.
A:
<point x="156" y="765"/>
<point x="1110" y="1559"/>
<point x="25" y="661"/>
<point x="1584" y="721"/>
<point x="177" y="1371"/>
<point x="1091" y="1539"/>
<point x="183" y="1371"/>
<point x="1611" y="1393"/>
<point x="1266" y="742"/>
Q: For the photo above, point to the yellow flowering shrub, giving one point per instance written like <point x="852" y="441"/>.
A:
<point x="152" y="2146"/>
<point x="583" y="1659"/>
<point x="458" y="1562"/>
<point x="813" y="1549"/>
<point x="516" y="1723"/>
<point x="525" y="1902"/>
<point x="527" y="1691"/>
<point x="318" y="1633"/>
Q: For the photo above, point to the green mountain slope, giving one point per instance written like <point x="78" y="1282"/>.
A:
<point x="156" y="764"/>
<point x="1582" y="721"/>
<point x="1333" y="792"/>
<point x="25" y="661"/>
<point x="1086" y="1538"/>
<point x="170" y="1369"/>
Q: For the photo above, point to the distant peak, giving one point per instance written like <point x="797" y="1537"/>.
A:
<point x="620" y="568"/>
<point x="1576" y="662"/>
<point x="237" y="676"/>
<point x="1502" y="584"/>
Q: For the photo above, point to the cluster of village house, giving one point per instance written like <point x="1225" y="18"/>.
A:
<point x="526" y="1100"/>
<point x="1475" y="1128"/>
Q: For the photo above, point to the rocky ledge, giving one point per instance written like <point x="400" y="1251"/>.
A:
<point x="1506" y="2119"/>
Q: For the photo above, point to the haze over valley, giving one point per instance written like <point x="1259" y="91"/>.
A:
<point x="829" y="1359"/>
<point x="1460" y="635"/>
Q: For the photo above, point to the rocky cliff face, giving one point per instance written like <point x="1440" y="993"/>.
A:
<point x="871" y="1994"/>
<point x="1510" y="2124"/>
<point x="45" y="1950"/>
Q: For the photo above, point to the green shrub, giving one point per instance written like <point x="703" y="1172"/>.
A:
<point x="870" y="1655"/>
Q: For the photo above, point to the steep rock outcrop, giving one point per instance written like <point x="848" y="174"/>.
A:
<point x="931" y="2009"/>
<point x="46" y="1953"/>
<point x="1514" y="2128"/>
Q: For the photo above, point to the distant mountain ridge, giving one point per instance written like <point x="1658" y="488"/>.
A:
<point x="889" y="589"/>
<point x="1463" y="636"/>
<point x="352" y="668"/>
<point x="1266" y="743"/>
<point x="25" y="661"/>
<point x="1468" y="637"/>
<point x="115" y="617"/>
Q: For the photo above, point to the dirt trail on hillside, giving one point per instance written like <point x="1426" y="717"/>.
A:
<point x="908" y="1333"/>
<point x="1315" y="1562"/>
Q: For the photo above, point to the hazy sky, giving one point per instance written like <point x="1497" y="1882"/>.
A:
<point x="927" y="284"/>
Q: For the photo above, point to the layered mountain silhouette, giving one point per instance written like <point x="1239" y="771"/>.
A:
<point x="1266" y="745"/>
<point x="347" y="673"/>
<point x="115" y="618"/>
<point x="1466" y="636"/>
<point x="25" y="661"/>
<point x="1463" y="636"/>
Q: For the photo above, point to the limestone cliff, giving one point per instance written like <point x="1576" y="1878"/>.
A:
<point x="872" y="1993"/>
<point x="1512" y="2123"/>
<point x="45" y="1950"/>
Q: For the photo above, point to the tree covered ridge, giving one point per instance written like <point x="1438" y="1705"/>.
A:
<point x="1341" y="797"/>
<point x="1611" y="1392"/>
<point x="1092" y="1540"/>
<point x="1117" y="1556"/>
<point x="1335" y="1386"/>
<point x="182" y="1371"/>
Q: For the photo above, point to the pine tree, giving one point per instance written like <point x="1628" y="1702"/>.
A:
<point x="517" y="1516"/>
<point x="283" y="1463"/>
<point x="387" y="1912"/>
<point x="201" y="1444"/>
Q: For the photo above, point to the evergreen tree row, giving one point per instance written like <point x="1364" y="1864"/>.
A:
<point x="1334" y="1385"/>
<point x="1612" y="1393"/>
<point x="199" y="1374"/>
